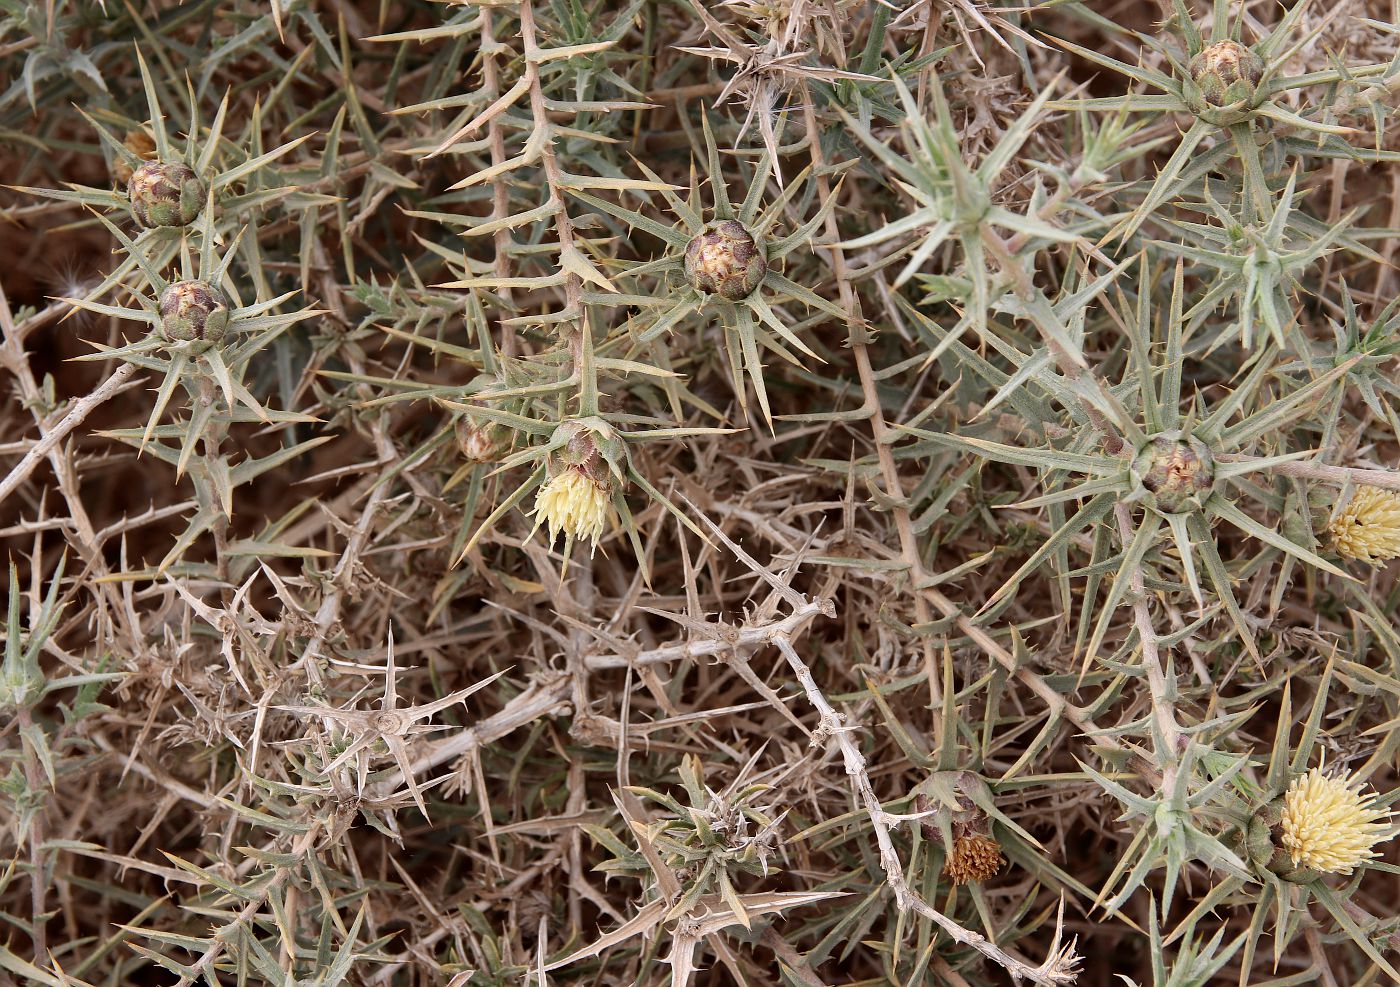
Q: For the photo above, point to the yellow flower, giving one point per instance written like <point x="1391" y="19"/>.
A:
<point x="1328" y="825"/>
<point x="575" y="504"/>
<point x="1368" y="528"/>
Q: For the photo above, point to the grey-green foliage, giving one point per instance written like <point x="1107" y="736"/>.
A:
<point x="1007" y="366"/>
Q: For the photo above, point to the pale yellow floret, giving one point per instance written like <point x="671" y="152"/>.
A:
<point x="574" y="504"/>
<point x="1368" y="527"/>
<point x="1328" y="825"/>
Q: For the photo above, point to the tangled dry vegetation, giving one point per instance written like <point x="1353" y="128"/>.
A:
<point x="667" y="492"/>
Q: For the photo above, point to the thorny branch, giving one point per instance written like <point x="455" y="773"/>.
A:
<point x="1059" y="967"/>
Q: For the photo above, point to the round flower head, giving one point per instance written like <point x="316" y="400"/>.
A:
<point x="477" y="441"/>
<point x="193" y="311"/>
<point x="974" y="858"/>
<point x="1227" y="72"/>
<point x="165" y="194"/>
<point x="1327" y="825"/>
<point x="574" y="503"/>
<point x="1176" y="471"/>
<point x="725" y="260"/>
<point x="584" y="469"/>
<point x="1368" y="527"/>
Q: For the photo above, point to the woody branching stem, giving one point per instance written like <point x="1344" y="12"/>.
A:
<point x="1160" y="681"/>
<point x="1389" y="479"/>
<point x="84" y="406"/>
<point x="576" y="326"/>
<point x="1059" y="966"/>
<point x="500" y="190"/>
<point x="882" y="437"/>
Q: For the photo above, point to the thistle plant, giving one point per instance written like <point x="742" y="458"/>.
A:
<point x="1262" y="267"/>
<point x="202" y="340"/>
<point x="666" y="493"/>
<point x="173" y="176"/>
<point x="1179" y="471"/>
<point x="955" y="201"/>
<point x="724" y="266"/>
<point x="1241" y="89"/>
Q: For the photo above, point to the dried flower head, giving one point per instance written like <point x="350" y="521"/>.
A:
<point x="193" y="310"/>
<point x="1227" y="72"/>
<point x="725" y="260"/>
<point x="974" y="858"/>
<point x="1368" y="527"/>
<point x="573" y="502"/>
<point x="138" y="142"/>
<point x="1176" y="471"/>
<point x="954" y="819"/>
<point x="165" y="194"/>
<point x="1327" y="825"/>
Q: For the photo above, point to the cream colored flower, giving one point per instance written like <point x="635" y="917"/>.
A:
<point x="1368" y="528"/>
<point x="573" y="503"/>
<point x="1328" y="825"/>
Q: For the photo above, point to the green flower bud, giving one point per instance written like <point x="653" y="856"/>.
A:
<point x="725" y="260"/>
<point x="1174" y="472"/>
<point x="478" y="441"/>
<point x="590" y="445"/>
<point x="165" y="194"/>
<point x="20" y="686"/>
<point x="1227" y="72"/>
<point x="193" y="311"/>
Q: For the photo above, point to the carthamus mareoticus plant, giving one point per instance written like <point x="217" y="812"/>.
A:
<point x="669" y="493"/>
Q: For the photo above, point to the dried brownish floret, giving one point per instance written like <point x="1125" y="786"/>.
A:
<point x="974" y="858"/>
